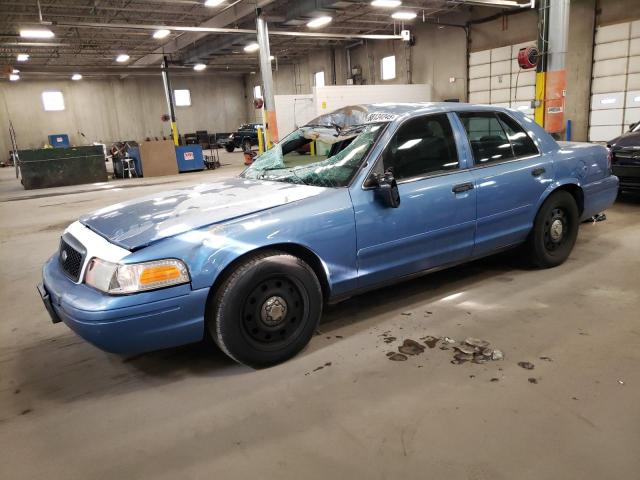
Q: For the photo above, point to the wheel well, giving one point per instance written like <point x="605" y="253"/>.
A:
<point x="296" y="250"/>
<point x="577" y="194"/>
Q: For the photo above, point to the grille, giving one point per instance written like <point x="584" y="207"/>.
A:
<point x="71" y="256"/>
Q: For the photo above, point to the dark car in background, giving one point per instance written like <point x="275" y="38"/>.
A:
<point x="625" y="161"/>
<point x="245" y="137"/>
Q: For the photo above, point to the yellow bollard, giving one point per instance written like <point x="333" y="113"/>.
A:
<point x="260" y="141"/>
<point x="312" y="149"/>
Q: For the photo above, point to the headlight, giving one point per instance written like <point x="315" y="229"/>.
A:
<point x="137" y="277"/>
<point x="231" y="136"/>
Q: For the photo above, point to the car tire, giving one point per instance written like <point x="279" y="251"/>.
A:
<point x="229" y="148"/>
<point x="266" y="310"/>
<point x="554" y="232"/>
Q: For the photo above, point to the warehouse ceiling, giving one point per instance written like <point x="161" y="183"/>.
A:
<point x="80" y="45"/>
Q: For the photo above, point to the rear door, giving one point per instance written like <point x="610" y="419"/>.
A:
<point x="435" y="222"/>
<point x="510" y="176"/>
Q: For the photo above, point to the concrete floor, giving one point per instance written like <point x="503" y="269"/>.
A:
<point x="68" y="410"/>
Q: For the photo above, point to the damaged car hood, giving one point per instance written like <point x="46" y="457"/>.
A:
<point x="137" y="223"/>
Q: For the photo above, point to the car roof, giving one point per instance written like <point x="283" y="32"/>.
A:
<point x="372" y="112"/>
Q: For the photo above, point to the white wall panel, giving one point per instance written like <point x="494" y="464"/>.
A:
<point x="479" y="84"/>
<point x="500" y="96"/>
<point x="607" y="117"/>
<point x="524" y="78"/>
<point x="613" y="33"/>
<point x="479" y="97"/>
<point x="501" y="68"/>
<point x="499" y="54"/>
<point x="634" y="46"/>
<point x="633" y="82"/>
<point x="478" y="71"/>
<point x="607" y="100"/>
<point x="524" y="93"/>
<point x="499" y="82"/>
<point x="604" y="134"/>
<point x="633" y="99"/>
<point x="634" y="64"/>
<point x="632" y="115"/>
<point x="615" y="83"/>
<point x="605" y="68"/>
<point x="635" y="29"/>
<point x="479" y="58"/>
<point x="611" y="50"/>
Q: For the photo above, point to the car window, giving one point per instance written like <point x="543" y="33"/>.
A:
<point x="520" y="142"/>
<point x="488" y="139"/>
<point x="421" y="146"/>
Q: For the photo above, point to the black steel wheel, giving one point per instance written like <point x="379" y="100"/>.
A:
<point x="266" y="310"/>
<point x="230" y="147"/>
<point x="554" y="231"/>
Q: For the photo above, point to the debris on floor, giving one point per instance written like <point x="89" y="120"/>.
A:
<point x="526" y="365"/>
<point x="397" y="357"/>
<point x="601" y="217"/>
<point x="411" y="347"/>
<point x="546" y="359"/>
<point x="533" y="380"/>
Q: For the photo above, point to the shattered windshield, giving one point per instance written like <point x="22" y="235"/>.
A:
<point x="319" y="155"/>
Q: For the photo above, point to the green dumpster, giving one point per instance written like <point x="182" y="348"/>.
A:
<point x="57" y="167"/>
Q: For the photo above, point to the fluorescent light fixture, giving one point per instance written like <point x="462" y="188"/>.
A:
<point x="386" y="3"/>
<point x="76" y="76"/>
<point x="404" y="15"/>
<point x="162" y="33"/>
<point x="198" y="67"/>
<point x="607" y="101"/>
<point x="319" y="22"/>
<point x="14" y="77"/>
<point x="213" y="3"/>
<point x="123" y="57"/>
<point x="22" y="57"/>
<point x="36" y="33"/>
<point x="15" y="70"/>
<point x="271" y="57"/>
<point x="252" y="47"/>
<point x="636" y="99"/>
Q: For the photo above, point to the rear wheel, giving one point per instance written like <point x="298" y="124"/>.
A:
<point x="554" y="231"/>
<point x="266" y="310"/>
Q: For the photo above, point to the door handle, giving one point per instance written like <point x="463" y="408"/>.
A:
<point x="536" y="172"/>
<point x="462" y="187"/>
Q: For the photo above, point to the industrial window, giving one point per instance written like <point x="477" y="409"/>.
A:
<point x="182" y="98"/>
<point x="257" y="92"/>
<point x="319" y="79"/>
<point x="388" y="67"/>
<point x="53" y="101"/>
<point x="488" y="140"/>
<point x="422" y="146"/>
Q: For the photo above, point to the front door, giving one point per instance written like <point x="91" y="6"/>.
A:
<point x="510" y="177"/>
<point x="435" y="222"/>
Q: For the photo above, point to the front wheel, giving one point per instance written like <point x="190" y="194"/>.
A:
<point x="266" y="310"/>
<point x="229" y="147"/>
<point x="555" y="230"/>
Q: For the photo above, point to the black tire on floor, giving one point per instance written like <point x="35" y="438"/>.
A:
<point x="554" y="232"/>
<point x="229" y="147"/>
<point x="266" y="310"/>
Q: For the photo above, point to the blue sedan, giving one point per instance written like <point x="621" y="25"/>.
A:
<point x="385" y="192"/>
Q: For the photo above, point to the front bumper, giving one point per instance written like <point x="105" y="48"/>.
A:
<point x="629" y="176"/>
<point x="125" y="324"/>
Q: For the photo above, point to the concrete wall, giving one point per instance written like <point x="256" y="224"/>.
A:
<point x="110" y="110"/>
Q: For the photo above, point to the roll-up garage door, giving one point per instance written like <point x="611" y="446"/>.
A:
<point x="615" y="87"/>
<point x="495" y="78"/>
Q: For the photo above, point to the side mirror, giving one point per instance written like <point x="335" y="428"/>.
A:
<point x="386" y="188"/>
